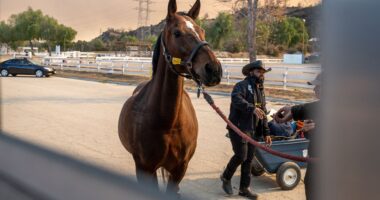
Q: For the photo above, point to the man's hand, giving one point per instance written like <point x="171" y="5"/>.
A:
<point x="268" y="140"/>
<point x="308" y="125"/>
<point x="259" y="113"/>
<point x="283" y="115"/>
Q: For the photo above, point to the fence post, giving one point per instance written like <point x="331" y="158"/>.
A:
<point x="285" y="77"/>
<point x="142" y="66"/>
<point x="125" y="66"/>
<point x="98" y="66"/>
<point x="227" y="75"/>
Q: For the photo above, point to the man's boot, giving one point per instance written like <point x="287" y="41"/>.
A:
<point x="246" y="192"/>
<point x="226" y="185"/>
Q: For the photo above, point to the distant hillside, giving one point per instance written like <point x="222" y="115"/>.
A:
<point x="303" y="3"/>
<point x="117" y="39"/>
<point x="310" y="14"/>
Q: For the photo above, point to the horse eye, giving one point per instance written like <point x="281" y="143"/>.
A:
<point x="177" y="34"/>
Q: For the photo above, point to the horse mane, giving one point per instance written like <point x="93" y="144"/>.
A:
<point x="156" y="54"/>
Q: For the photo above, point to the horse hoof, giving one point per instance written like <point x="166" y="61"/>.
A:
<point x="174" y="195"/>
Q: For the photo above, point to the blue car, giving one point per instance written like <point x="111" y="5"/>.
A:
<point x="24" y="66"/>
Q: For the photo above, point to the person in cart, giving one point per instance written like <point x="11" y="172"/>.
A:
<point x="248" y="112"/>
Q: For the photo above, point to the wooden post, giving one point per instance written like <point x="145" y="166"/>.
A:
<point x="285" y="80"/>
<point x="252" y="15"/>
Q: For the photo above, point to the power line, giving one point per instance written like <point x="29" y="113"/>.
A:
<point x="144" y="12"/>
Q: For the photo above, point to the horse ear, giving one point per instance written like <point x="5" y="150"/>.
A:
<point x="172" y="9"/>
<point x="194" y="11"/>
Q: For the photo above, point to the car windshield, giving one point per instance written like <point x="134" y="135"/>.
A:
<point x="31" y="62"/>
<point x="10" y="61"/>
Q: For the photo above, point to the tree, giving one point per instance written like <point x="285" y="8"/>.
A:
<point x="290" y="32"/>
<point x="271" y="11"/>
<point x="64" y="35"/>
<point x="220" y="29"/>
<point x="300" y="35"/>
<point x="32" y="25"/>
<point x="49" y="31"/>
<point x="98" y="45"/>
<point x="263" y="33"/>
<point x="6" y="34"/>
<point x="27" y="25"/>
<point x="151" y="39"/>
<point x="235" y="42"/>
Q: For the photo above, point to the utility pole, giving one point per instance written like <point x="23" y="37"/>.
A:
<point x="303" y="37"/>
<point x="143" y="16"/>
<point x="252" y="15"/>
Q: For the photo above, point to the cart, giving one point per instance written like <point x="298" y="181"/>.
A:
<point x="288" y="173"/>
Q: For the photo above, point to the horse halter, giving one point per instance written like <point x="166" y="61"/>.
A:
<point x="188" y="64"/>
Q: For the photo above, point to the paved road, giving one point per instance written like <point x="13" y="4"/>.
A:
<point x="80" y="118"/>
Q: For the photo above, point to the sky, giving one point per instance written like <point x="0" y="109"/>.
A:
<point x="90" y="17"/>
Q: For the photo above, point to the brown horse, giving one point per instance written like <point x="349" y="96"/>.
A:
<point x="158" y="125"/>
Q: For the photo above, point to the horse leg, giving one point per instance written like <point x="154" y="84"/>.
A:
<point x="146" y="175"/>
<point x="176" y="176"/>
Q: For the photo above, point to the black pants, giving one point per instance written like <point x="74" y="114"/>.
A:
<point x="312" y="169"/>
<point x="310" y="189"/>
<point x="307" y="181"/>
<point x="243" y="154"/>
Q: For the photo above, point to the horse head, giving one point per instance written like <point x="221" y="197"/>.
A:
<point x="185" y="47"/>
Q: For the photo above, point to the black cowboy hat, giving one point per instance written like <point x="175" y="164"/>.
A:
<point x="254" y="65"/>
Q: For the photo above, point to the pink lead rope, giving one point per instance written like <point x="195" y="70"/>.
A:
<point x="210" y="101"/>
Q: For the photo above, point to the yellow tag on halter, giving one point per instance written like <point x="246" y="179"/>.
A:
<point x="176" y="61"/>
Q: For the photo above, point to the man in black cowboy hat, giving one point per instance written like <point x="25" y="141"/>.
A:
<point x="248" y="112"/>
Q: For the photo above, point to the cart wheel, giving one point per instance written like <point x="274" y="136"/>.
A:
<point x="256" y="168"/>
<point x="288" y="175"/>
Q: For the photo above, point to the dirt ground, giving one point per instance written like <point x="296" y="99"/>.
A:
<point x="79" y="118"/>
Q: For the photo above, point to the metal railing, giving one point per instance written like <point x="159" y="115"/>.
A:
<point x="246" y="60"/>
<point x="285" y="75"/>
<point x="295" y="76"/>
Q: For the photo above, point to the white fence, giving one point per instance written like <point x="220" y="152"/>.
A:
<point x="246" y="60"/>
<point x="281" y="75"/>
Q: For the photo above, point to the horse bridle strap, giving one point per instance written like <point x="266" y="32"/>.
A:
<point x="188" y="64"/>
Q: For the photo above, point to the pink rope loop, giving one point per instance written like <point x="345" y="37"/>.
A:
<point x="249" y="139"/>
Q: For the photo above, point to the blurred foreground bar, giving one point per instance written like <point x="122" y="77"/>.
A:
<point x="31" y="172"/>
<point x="350" y="137"/>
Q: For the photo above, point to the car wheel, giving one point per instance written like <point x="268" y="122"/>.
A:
<point x="14" y="74"/>
<point x="4" y="72"/>
<point x="47" y="75"/>
<point x="39" y="73"/>
<point x="288" y="175"/>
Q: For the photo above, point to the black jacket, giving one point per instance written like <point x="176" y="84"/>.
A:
<point x="308" y="111"/>
<point x="305" y="111"/>
<point x="242" y="107"/>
